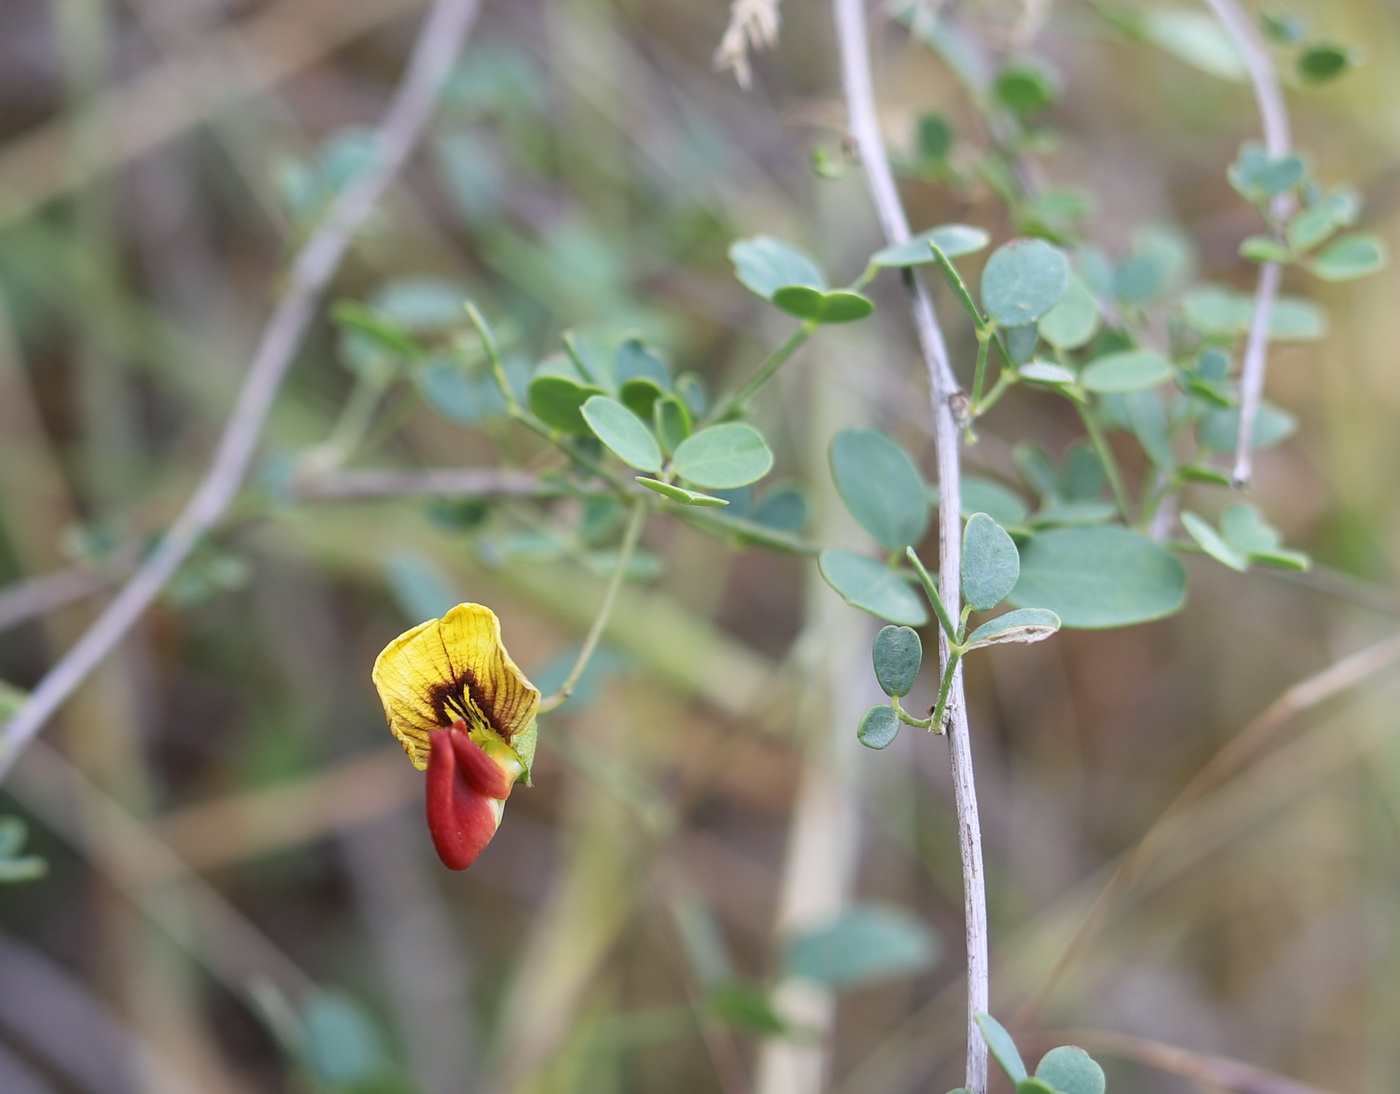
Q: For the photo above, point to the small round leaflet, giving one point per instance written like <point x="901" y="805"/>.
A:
<point x="878" y="728"/>
<point x="623" y="432"/>
<point x="897" y="654"/>
<point x="1023" y="280"/>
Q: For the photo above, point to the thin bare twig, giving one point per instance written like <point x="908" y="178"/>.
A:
<point x="438" y="43"/>
<point x="865" y="129"/>
<point x="1273" y="115"/>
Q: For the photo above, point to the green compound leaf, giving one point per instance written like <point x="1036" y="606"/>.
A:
<point x="764" y="265"/>
<point x="897" y="654"/>
<point x="1074" y="320"/>
<point x="1022" y="625"/>
<point x="1350" y="257"/>
<point x="626" y="435"/>
<point x="1042" y="372"/>
<point x="1023" y="280"/>
<point x="1070" y="1070"/>
<point x="878" y="728"/>
<point x="1247" y="531"/>
<point x="676" y="493"/>
<point x="1133" y="370"/>
<point x="865" y="944"/>
<point x="558" y="402"/>
<point x="724" y="456"/>
<point x="1099" y="576"/>
<point x="954" y="240"/>
<point x="1212" y="543"/>
<point x="634" y="361"/>
<point x="1002" y="1047"/>
<point x="990" y="563"/>
<point x="872" y="586"/>
<point x="836" y="306"/>
<point x="881" y="487"/>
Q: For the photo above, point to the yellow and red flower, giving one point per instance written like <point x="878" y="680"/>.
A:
<point x="465" y="713"/>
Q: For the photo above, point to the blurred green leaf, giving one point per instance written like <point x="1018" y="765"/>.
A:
<point x="1074" y="320"/>
<point x="1000" y="502"/>
<point x="866" y="944"/>
<point x="1219" y="430"/>
<point x="954" y="240"/>
<point x="1350" y="257"/>
<point x="1134" y="370"/>
<point x="1198" y="39"/>
<point x="1070" y="1070"/>
<point x="1212" y="543"/>
<point x="836" y="306"/>
<point x="723" y="456"/>
<point x="676" y="493"/>
<point x="625" y="434"/>
<point x="1322" y="62"/>
<point x="420" y="587"/>
<point x="872" y="586"/>
<point x="881" y="486"/>
<point x="1099" y="576"/>
<point x="1002" y="1047"/>
<point x="671" y="419"/>
<point x="764" y="265"/>
<point x="1023" y="280"/>
<point x="341" y="1044"/>
<point x="1026" y="86"/>
<point x="783" y="508"/>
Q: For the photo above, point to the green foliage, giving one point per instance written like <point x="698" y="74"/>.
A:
<point x="1020" y="625"/>
<point x="954" y="240"/>
<point x="764" y="265"/>
<point x="871" y="586"/>
<point x="990" y="563"/>
<point x="881" y="486"/>
<point x="897" y="654"/>
<point x="866" y="944"/>
<point x="625" y="434"/>
<point x="1134" y="370"/>
<point x="878" y="727"/>
<point x="816" y="306"/>
<point x="1099" y="577"/>
<point x="724" y="456"/>
<point x="1023" y="280"/>
<point x="14" y="865"/>
<point x="1070" y="1070"/>
<point x="1350" y="257"/>
<point x="1002" y="1047"/>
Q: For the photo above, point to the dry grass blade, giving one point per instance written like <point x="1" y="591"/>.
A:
<point x="753" y="25"/>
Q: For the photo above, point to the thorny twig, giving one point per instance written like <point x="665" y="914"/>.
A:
<point x="435" y="51"/>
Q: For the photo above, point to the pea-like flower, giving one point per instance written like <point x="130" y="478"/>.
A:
<point x="465" y="713"/>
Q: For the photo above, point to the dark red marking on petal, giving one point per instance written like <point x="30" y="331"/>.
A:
<point x="461" y="819"/>
<point x="477" y="768"/>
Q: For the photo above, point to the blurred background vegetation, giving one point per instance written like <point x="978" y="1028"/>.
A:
<point x="240" y="893"/>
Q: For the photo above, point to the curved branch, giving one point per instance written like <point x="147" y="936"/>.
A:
<point x="865" y="129"/>
<point x="436" y="49"/>
<point x="1273" y="115"/>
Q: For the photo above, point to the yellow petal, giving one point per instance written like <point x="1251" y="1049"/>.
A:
<point x="450" y="668"/>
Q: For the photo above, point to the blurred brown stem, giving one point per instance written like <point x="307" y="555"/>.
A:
<point x="438" y="43"/>
<point x="865" y="129"/>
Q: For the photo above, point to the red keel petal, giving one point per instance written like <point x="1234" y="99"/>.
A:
<point x="461" y="819"/>
<point x="477" y="768"/>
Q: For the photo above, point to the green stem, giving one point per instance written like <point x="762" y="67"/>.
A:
<point x="931" y="588"/>
<point x="355" y="419"/>
<point x="907" y="718"/>
<point x="940" y="709"/>
<point x="630" y="538"/>
<point x="979" y="377"/>
<point x="765" y="372"/>
<point x="493" y="355"/>
<point x="1000" y="388"/>
<point x="959" y="287"/>
<point x="1110" y="465"/>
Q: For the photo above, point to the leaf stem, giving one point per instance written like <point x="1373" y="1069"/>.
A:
<point x="979" y="377"/>
<point x="630" y="538"/>
<point x="493" y="355"/>
<point x="940" y="709"/>
<point x="1106" y="457"/>
<point x="775" y="361"/>
<point x="931" y="588"/>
